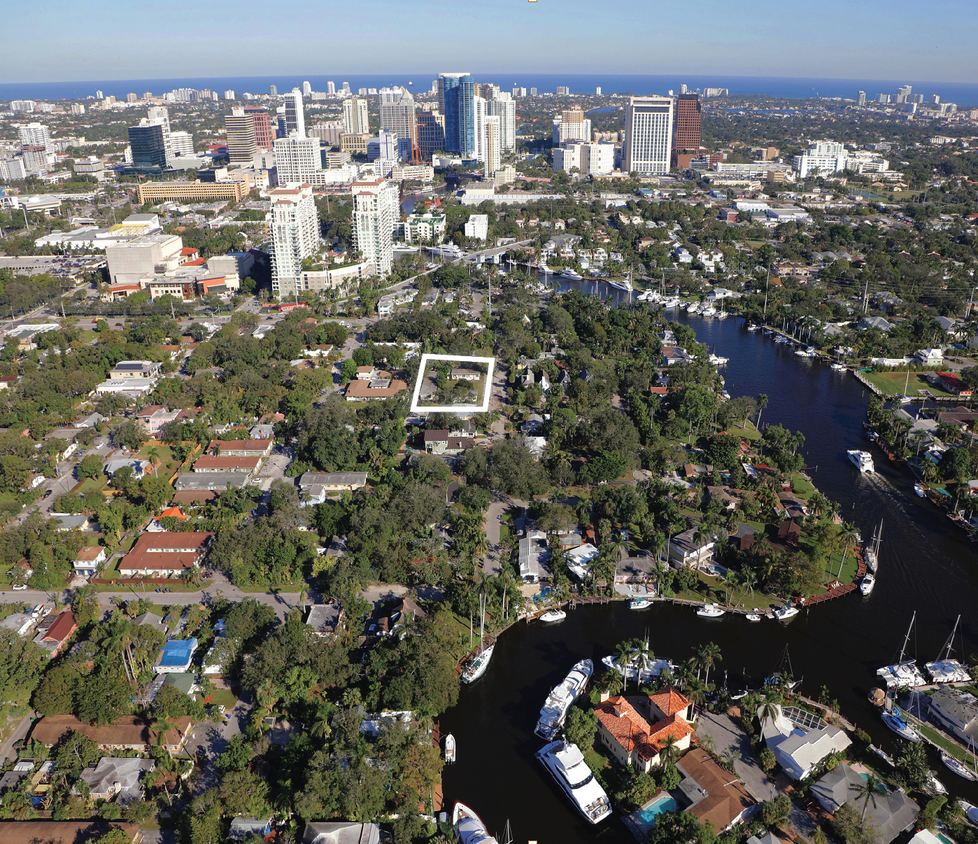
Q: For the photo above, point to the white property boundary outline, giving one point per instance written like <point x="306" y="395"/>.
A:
<point x="453" y="408"/>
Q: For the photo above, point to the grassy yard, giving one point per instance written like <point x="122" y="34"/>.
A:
<point x="748" y="433"/>
<point x="223" y="696"/>
<point x="165" y="454"/>
<point x="892" y="383"/>
<point x="91" y="485"/>
<point x="802" y="487"/>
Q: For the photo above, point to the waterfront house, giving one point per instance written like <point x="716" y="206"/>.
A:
<point x="688" y="549"/>
<point x="632" y="739"/>
<point x="579" y="559"/>
<point x="950" y="382"/>
<point x="799" y="750"/>
<point x="890" y="813"/>
<point x="714" y="795"/>
<point x="534" y="557"/>
<point x="956" y="711"/>
<point x="341" y="832"/>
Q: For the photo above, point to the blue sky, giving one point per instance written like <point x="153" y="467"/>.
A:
<point x="61" y="41"/>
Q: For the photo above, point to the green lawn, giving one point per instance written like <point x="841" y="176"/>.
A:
<point x="91" y="485"/>
<point x="165" y="454"/>
<point x="223" y="696"/>
<point x="892" y="383"/>
<point x="802" y="487"/>
<point x="748" y="433"/>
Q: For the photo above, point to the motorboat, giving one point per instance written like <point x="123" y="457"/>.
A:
<point x="805" y="353"/>
<point x="640" y="603"/>
<point x="867" y="584"/>
<point x="652" y="669"/>
<point x="477" y="666"/>
<point x="717" y="360"/>
<point x="567" y="765"/>
<point x="710" y="611"/>
<point x="543" y="268"/>
<point x="896" y="722"/>
<point x="862" y="460"/>
<point x="920" y="489"/>
<point x="753" y="328"/>
<point x="838" y="367"/>
<point x="670" y="302"/>
<point x="553" y="616"/>
<point x="450" y="747"/>
<point x="571" y="274"/>
<point x="753" y="616"/>
<point x="786" y="612"/>
<point x="769" y="331"/>
<point x="708" y="311"/>
<point x="958" y="767"/>
<point x="469" y="828"/>
<point x="562" y="698"/>
<point x="970" y="811"/>
<point x="935" y="785"/>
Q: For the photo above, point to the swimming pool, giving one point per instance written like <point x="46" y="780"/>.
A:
<point x="649" y="813"/>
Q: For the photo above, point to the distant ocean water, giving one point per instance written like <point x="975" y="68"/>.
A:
<point x="964" y="94"/>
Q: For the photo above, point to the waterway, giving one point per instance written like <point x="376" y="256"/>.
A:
<point x="926" y="565"/>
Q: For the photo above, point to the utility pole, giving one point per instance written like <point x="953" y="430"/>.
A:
<point x="866" y="296"/>
<point x="767" y="284"/>
<point x="971" y="299"/>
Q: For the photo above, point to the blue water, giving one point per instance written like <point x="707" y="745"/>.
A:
<point x="656" y="808"/>
<point x="962" y="93"/>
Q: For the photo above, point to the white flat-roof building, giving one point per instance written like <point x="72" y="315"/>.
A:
<point x="648" y="135"/>
<point x="295" y="234"/>
<point x="375" y="213"/>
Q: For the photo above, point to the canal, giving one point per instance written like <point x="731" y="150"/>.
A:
<point x="926" y="565"/>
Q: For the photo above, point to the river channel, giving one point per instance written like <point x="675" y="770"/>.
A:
<point x="926" y="565"/>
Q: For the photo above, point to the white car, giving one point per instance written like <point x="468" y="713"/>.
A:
<point x="21" y="588"/>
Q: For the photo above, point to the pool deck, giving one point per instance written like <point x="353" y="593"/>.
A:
<point x="638" y="827"/>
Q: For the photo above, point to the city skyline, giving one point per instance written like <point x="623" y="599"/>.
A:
<point x="877" y="41"/>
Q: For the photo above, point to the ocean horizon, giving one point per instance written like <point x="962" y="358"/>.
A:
<point x="964" y="94"/>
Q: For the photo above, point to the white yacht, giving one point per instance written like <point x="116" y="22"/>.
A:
<point x="805" y="353"/>
<point x="571" y="274"/>
<point x="477" y="666"/>
<point x="785" y="612"/>
<point x="838" y="367"/>
<point x="708" y="311"/>
<point x="450" y="748"/>
<point x="553" y="616"/>
<point x="717" y="360"/>
<point x="545" y="269"/>
<point x="710" y="611"/>
<point x="469" y="828"/>
<point x="970" y="812"/>
<point x="896" y="722"/>
<point x="566" y="763"/>
<point x="867" y="584"/>
<point x="652" y="668"/>
<point x="562" y="698"/>
<point x="862" y="460"/>
<point x="670" y="302"/>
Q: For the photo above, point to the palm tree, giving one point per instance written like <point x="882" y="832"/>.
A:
<point x="709" y="655"/>
<point x="669" y="754"/>
<point x="643" y="657"/>
<point x="767" y="709"/>
<point x="868" y="792"/>
<point x="761" y="404"/>
<point x="624" y="659"/>
<point x="709" y="745"/>
<point x="696" y="692"/>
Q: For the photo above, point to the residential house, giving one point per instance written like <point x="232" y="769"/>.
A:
<point x="957" y="711"/>
<point x="135" y="369"/>
<point x="262" y="432"/>
<point x="688" y="549"/>
<point x="879" y="323"/>
<point x="165" y="554"/>
<point x="139" y="467"/>
<point x="534" y="557"/>
<point x="242" y="448"/>
<point x="836" y="788"/>
<point x="341" y="832"/>
<point x="334" y="483"/>
<point x="127" y="733"/>
<point x="72" y="521"/>
<point x="325" y="619"/>
<point x="671" y="355"/>
<point x="799" y="750"/>
<point x="630" y="737"/>
<point x="244" y="828"/>
<point x="382" y="386"/>
<point x="214" y="464"/>
<point x="116" y="777"/>
<point x="60" y="630"/>
<point x="890" y="814"/>
<point x="950" y="382"/>
<point x="176" y="656"/>
<point x="928" y="357"/>
<point x="579" y="559"/>
<point x="715" y="796"/>
<point x="88" y="559"/>
<point x="405" y="611"/>
<point x="442" y="442"/>
<point x="727" y="499"/>
<point x="210" y="481"/>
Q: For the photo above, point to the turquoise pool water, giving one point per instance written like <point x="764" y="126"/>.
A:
<point x="656" y="808"/>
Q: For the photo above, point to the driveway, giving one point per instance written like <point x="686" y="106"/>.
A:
<point x="729" y="737"/>
<point x="211" y="740"/>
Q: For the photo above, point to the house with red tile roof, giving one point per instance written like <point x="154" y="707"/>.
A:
<point x="630" y="737"/>
<point x="57" y="634"/>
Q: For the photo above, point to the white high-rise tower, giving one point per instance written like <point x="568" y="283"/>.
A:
<point x="295" y="120"/>
<point x="295" y="235"/>
<point x="648" y="135"/>
<point x="375" y="213"/>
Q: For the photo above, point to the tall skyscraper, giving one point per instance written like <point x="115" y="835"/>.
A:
<point x="295" y="120"/>
<point x="571" y="125"/>
<point x="861" y="99"/>
<point x="479" y="113"/>
<point x="273" y="90"/>
<point x="355" y="116"/>
<point x="242" y="140"/>
<point x="346" y="88"/>
<point x="503" y="107"/>
<point x="397" y="115"/>
<point x="492" y="146"/>
<point x="35" y="135"/>
<point x="264" y="135"/>
<point x="431" y="133"/>
<point x="295" y="235"/>
<point x="455" y="102"/>
<point x="903" y="94"/>
<point x="597" y="91"/>
<point x="306" y="89"/>
<point x="161" y="115"/>
<point x="147" y="144"/>
<point x="688" y="129"/>
<point x="375" y="213"/>
<point x="331" y="88"/>
<point x="297" y="159"/>
<point x="648" y="135"/>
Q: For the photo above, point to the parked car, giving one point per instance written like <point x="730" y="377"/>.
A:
<point x="20" y="588"/>
<point x="48" y="493"/>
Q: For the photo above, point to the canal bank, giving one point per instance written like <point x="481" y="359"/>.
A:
<point x="924" y="566"/>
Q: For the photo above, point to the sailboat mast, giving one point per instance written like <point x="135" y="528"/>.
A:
<point x="906" y="638"/>
<point x="950" y="641"/>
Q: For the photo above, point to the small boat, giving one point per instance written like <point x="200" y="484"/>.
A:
<point x="753" y="328"/>
<point x="469" y="828"/>
<point x="867" y="584"/>
<point x="543" y="268"/>
<point x="805" y="353"/>
<point x="717" y="360"/>
<point x="553" y="615"/>
<point x="710" y="611"/>
<point x="708" y="311"/>
<point x="449" y="748"/>
<point x="562" y="698"/>
<point x="573" y="276"/>
<point x="477" y="666"/>
<point x="896" y="722"/>
<point x="786" y="612"/>
<point x="958" y="767"/>
<point x="862" y="460"/>
<point x="753" y="616"/>
<point x="935" y="785"/>
<point x="630" y="672"/>
<point x="768" y="331"/>
<point x="920" y="489"/>
<point x="838" y="367"/>
<point x="566" y="763"/>
<point x="640" y="603"/>
<point x="970" y="812"/>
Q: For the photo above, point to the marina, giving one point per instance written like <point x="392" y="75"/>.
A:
<point x="839" y="644"/>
